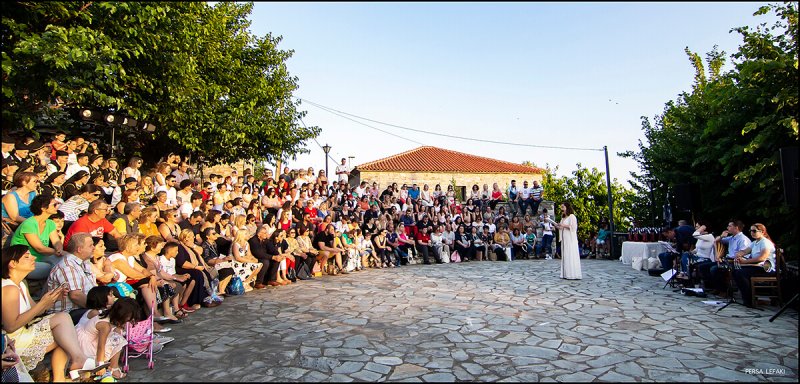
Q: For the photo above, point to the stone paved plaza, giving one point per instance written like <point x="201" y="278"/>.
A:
<point x="478" y="321"/>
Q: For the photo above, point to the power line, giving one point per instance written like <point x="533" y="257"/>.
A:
<point x="335" y="111"/>
<point x="318" y="144"/>
<point x="340" y="114"/>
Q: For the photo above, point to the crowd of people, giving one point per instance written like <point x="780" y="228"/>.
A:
<point x="110" y="246"/>
<point x="113" y="246"/>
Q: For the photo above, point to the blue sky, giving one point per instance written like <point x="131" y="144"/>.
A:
<point x="553" y="74"/>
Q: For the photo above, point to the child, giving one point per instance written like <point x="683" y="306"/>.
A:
<point x="153" y="246"/>
<point x="353" y="256"/>
<point x="100" y="330"/>
<point x="368" y="258"/>
<point x="530" y="242"/>
<point x="167" y="272"/>
<point x="58" y="219"/>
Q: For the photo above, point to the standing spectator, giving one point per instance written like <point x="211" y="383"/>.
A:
<point x="525" y="199"/>
<point x="343" y="171"/>
<point x="58" y="144"/>
<point x="513" y="197"/>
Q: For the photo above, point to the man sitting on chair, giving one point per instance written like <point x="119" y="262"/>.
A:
<point x="736" y="241"/>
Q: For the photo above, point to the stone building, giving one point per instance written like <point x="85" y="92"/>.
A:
<point x="432" y="165"/>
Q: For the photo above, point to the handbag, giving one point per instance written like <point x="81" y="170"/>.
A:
<point x="235" y="287"/>
<point x="455" y="257"/>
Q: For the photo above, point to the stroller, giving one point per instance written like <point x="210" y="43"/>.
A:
<point x="141" y="340"/>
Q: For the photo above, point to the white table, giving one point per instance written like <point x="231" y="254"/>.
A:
<point x="634" y="249"/>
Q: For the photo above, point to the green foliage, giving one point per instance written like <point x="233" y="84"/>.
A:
<point x="724" y="135"/>
<point x="586" y="190"/>
<point x="194" y="70"/>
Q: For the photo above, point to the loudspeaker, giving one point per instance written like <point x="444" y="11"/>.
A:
<point x="789" y="159"/>
<point x="687" y="198"/>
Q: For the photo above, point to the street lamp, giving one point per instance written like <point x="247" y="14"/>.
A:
<point x="326" y="149"/>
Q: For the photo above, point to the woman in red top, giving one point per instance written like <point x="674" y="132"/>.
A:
<point x="285" y="222"/>
<point x="497" y="196"/>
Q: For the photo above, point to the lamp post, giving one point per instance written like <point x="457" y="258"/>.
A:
<point x="326" y="149"/>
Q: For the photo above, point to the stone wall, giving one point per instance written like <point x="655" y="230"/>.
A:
<point x="225" y="169"/>
<point x="466" y="180"/>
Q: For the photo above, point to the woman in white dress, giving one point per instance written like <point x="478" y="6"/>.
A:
<point x="568" y="235"/>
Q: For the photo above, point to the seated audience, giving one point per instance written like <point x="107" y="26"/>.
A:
<point x="35" y="336"/>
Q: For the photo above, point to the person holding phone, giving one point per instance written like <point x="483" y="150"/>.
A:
<point x="14" y="371"/>
<point x="35" y="336"/>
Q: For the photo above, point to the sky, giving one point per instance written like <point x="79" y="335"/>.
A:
<point x="578" y="75"/>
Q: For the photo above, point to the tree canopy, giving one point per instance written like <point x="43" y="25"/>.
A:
<point x="212" y="88"/>
<point x="723" y="136"/>
<point x="586" y="190"/>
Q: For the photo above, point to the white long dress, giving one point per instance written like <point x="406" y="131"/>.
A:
<point x="570" y="258"/>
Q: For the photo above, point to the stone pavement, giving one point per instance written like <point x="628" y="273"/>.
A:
<point x="478" y="321"/>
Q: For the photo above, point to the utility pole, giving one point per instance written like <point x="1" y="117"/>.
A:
<point x="610" y="203"/>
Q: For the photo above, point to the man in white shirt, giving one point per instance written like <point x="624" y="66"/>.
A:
<point x="361" y="189"/>
<point x="81" y="165"/>
<point x="193" y="205"/>
<point x="172" y="193"/>
<point x="343" y="171"/>
<point x="524" y="198"/>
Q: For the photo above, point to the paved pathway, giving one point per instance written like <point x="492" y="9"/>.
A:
<point x="481" y="321"/>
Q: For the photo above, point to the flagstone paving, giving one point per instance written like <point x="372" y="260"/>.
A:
<point x="478" y="321"/>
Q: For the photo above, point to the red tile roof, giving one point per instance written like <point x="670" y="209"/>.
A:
<point x="433" y="159"/>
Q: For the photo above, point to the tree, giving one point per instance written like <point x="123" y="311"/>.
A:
<point x="586" y="190"/>
<point x="724" y="135"/>
<point x="194" y="70"/>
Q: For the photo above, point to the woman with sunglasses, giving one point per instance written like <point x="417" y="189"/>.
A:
<point x="132" y="170"/>
<point x="752" y="260"/>
<point x="169" y="229"/>
<point x="39" y="234"/>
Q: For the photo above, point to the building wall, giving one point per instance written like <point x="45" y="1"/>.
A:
<point x="503" y="180"/>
